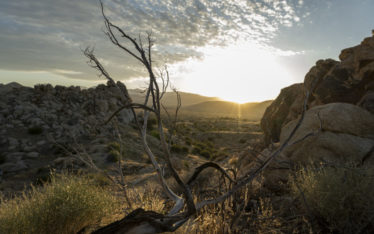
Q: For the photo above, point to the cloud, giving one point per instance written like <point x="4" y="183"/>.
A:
<point x="66" y="72"/>
<point x="49" y="36"/>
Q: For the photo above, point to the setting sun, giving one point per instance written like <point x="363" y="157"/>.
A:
<point x="239" y="73"/>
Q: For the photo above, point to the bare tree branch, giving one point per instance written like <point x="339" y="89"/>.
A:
<point x="204" y="166"/>
<point x="141" y="221"/>
<point x="251" y="175"/>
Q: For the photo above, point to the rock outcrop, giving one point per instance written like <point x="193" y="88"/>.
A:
<point x="341" y="133"/>
<point x="33" y="119"/>
<point x="338" y="126"/>
<point x="283" y="109"/>
<point x="349" y="81"/>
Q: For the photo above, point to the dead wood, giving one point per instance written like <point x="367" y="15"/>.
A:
<point x="141" y="221"/>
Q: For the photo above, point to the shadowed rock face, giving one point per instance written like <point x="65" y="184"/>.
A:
<point x="349" y="81"/>
<point x="347" y="134"/>
<point x="279" y="112"/>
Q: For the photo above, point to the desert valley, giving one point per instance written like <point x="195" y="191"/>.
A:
<point x="111" y="158"/>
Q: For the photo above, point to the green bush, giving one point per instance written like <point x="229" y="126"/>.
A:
<point x="342" y="195"/>
<point x="36" y="130"/>
<point x="65" y="205"/>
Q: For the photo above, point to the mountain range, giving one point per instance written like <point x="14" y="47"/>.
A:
<point x="198" y="105"/>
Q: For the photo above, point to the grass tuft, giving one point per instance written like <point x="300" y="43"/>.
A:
<point x="343" y="195"/>
<point x="65" y="205"/>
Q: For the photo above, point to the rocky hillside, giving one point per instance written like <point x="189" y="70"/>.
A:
<point x="34" y="120"/>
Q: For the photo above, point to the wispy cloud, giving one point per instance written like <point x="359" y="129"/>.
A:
<point x="66" y="72"/>
<point x="45" y="35"/>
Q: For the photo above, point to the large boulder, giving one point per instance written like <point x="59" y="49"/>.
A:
<point x="349" y="81"/>
<point x="337" y="133"/>
<point x="341" y="132"/>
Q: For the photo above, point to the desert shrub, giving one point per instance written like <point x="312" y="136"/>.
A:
<point x="206" y="154"/>
<point x="242" y="141"/>
<point x="342" y="195"/>
<point x="65" y="205"/>
<point x="114" y="146"/>
<point x="179" y="148"/>
<point x="201" y="145"/>
<point x="196" y="150"/>
<point x="113" y="156"/>
<point x="99" y="179"/>
<point x="35" y="130"/>
<point x="151" y="124"/>
<point x="185" y="149"/>
<point x="209" y="144"/>
<point x="43" y="175"/>
<point x="188" y="141"/>
<point x="155" y="134"/>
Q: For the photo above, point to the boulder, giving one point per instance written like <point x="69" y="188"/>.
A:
<point x="367" y="101"/>
<point x="349" y="81"/>
<point x="317" y="72"/>
<point x="337" y="133"/>
<point x="347" y="134"/>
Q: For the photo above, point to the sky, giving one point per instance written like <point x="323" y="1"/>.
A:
<point x="238" y="50"/>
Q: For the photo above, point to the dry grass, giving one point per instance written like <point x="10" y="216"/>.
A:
<point x="148" y="197"/>
<point x="65" y="205"/>
<point x="342" y="196"/>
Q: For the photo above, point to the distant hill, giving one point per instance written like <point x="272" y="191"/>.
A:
<point x="251" y="110"/>
<point x="197" y="105"/>
<point x="170" y="98"/>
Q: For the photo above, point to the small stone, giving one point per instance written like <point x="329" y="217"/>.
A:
<point x="40" y="143"/>
<point x="29" y="148"/>
<point x="32" y="155"/>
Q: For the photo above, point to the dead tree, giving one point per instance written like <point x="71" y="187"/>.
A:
<point x="141" y="221"/>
